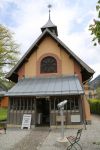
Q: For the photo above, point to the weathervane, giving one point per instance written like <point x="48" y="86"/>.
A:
<point x="49" y="6"/>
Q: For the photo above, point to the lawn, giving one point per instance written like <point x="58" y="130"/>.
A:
<point x="3" y="114"/>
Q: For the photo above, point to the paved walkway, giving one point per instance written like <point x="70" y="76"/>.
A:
<point x="32" y="140"/>
<point x="90" y="139"/>
<point x="12" y="137"/>
<point x="42" y="139"/>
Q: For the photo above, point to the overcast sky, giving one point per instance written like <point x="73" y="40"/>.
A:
<point x="72" y="17"/>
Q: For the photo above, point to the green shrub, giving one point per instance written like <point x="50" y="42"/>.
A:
<point x="3" y="114"/>
<point x="94" y="106"/>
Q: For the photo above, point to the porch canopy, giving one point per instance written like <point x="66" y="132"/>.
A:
<point x="47" y="86"/>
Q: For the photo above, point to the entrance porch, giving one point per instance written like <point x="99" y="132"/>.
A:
<point x="44" y="110"/>
<point x="40" y="96"/>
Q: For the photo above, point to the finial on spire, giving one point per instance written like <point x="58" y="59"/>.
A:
<point x="49" y="6"/>
<point x="49" y="25"/>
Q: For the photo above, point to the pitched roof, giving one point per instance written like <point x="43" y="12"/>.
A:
<point x="50" y="25"/>
<point x="63" y="85"/>
<point x="85" y="67"/>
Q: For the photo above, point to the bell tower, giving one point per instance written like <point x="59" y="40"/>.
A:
<point x="49" y="25"/>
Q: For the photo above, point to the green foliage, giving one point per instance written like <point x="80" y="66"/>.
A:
<point x="9" y="53"/>
<point x="3" y="114"/>
<point x="94" y="106"/>
<point x="95" y="27"/>
<point x="6" y="84"/>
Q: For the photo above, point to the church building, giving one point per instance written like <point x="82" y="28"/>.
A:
<point x="48" y="73"/>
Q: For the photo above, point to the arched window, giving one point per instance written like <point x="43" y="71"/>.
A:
<point x="48" y="65"/>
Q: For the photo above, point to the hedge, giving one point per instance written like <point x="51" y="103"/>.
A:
<point x="94" y="106"/>
<point x="3" y="114"/>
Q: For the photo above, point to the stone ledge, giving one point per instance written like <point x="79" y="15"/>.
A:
<point x="69" y="126"/>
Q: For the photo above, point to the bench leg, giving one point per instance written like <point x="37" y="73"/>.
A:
<point x="70" y="146"/>
<point x="5" y="130"/>
<point x="79" y="145"/>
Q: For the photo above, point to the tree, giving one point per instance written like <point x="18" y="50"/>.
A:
<point x="7" y="84"/>
<point x="95" y="28"/>
<point x="9" y="52"/>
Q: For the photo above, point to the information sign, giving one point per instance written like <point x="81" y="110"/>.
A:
<point x="26" y="122"/>
<point x="75" y="118"/>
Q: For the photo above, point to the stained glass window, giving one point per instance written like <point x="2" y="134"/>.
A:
<point x="48" y="65"/>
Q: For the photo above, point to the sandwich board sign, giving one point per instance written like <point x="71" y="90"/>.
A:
<point x="26" y="122"/>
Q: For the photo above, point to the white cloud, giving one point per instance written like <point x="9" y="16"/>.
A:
<point x="30" y="16"/>
<point x="30" y="20"/>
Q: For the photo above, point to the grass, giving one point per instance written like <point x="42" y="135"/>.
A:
<point x="3" y="114"/>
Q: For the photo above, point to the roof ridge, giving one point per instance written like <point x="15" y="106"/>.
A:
<point x="82" y="63"/>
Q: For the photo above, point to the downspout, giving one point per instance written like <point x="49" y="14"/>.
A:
<point x="83" y="111"/>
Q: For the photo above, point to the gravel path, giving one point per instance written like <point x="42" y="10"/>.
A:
<point x="13" y="136"/>
<point x="32" y="140"/>
<point x="90" y="139"/>
<point x="17" y="139"/>
<point x="42" y="139"/>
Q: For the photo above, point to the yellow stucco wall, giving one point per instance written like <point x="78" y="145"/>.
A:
<point x="30" y="66"/>
<point x="67" y="64"/>
<point x="48" y="45"/>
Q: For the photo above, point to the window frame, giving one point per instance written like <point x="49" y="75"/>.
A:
<point x="48" y="62"/>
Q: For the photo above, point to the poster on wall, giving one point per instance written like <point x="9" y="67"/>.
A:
<point x="75" y="118"/>
<point x="26" y="122"/>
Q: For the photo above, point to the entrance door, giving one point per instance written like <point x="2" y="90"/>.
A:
<point x="42" y="112"/>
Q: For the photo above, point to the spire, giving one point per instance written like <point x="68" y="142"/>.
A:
<point x="49" y="25"/>
<point x="49" y="6"/>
